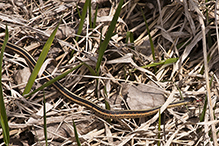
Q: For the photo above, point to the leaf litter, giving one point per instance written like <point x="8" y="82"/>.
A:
<point x="177" y="32"/>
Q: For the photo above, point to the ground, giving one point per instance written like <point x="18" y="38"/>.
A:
<point x="180" y="61"/>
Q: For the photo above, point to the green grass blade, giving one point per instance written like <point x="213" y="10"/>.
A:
<point x="3" y="115"/>
<point x="84" y="12"/>
<point x="180" y="93"/>
<point x="107" y="105"/>
<point x="40" y="61"/>
<point x="108" y="36"/>
<point x="171" y="60"/>
<point x="162" y="62"/>
<point x="129" y="38"/>
<point x="44" y="119"/>
<point x="202" y="116"/>
<point x="90" y="18"/>
<point x="95" y="17"/>
<point x="53" y="80"/>
<point x="151" y="42"/>
<point x="76" y="134"/>
<point x="78" y="11"/>
<point x="92" y="71"/>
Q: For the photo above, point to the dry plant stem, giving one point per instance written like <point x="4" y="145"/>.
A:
<point x="216" y="21"/>
<point x="207" y="81"/>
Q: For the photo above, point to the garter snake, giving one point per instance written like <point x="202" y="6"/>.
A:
<point x="90" y="105"/>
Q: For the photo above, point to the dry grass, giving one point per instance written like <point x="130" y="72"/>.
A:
<point x="184" y="30"/>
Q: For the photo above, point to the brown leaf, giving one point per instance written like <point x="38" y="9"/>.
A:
<point x="143" y="96"/>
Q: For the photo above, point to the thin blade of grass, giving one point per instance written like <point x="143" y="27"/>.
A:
<point x="180" y="93"/>
<point x="76" y="134"/>
<point x="162" y="62"/>
<point x="108" y="36"/>
<point x="107" y="105"/>
<point x="95" y="17"/>
<point x="44" y="119"/>
<point x="78" y="11"/>
<point x="202" y="116"/>
<point x="150" y="38"/>
<point x="4" y="118"/>
<point x="92" y="71"/>
<point x="40" y="61"/>
<point x="84" y="12"/>
<point x="129" y="38"/>
<point x="90" y="18"/>
<point x="53" y="81"/>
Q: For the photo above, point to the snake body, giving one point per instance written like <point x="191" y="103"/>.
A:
<point x="90" y="105"/>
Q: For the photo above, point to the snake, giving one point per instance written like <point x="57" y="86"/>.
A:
<point x="99" y="111"/>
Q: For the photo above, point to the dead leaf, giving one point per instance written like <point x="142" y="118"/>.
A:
<point x="143" y="96"/>
<point x="22" y="76"/>
<point x="62" y="32"/>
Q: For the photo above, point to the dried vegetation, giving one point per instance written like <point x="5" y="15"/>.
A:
<point x="181" y="30"/>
